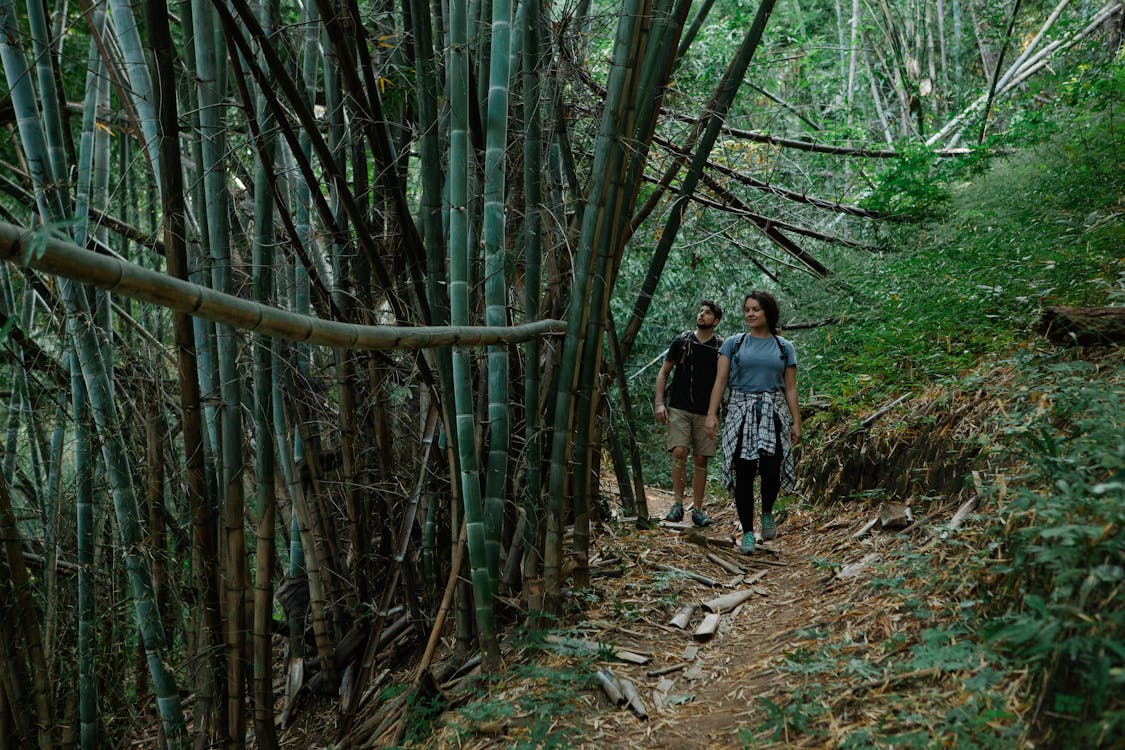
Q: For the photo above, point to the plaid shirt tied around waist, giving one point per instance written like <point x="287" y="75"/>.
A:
<point x="758" y="423"/>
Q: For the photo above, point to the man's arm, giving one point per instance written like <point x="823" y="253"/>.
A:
<point x="659" y="408"/>
<point x="722" y="376"/>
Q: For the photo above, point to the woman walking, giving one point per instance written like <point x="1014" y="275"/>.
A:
<point x="763" y="420"/>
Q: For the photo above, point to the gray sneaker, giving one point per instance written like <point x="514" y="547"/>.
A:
<point x="676" y="512"/>
<point x="699" y="519"/>
<point x="769" y="528"/>
<point x="747" y="546"/>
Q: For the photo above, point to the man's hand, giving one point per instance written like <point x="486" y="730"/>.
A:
<point x="661" y="414"/>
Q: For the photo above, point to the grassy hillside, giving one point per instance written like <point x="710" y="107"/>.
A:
<point x="1036" y="600"/>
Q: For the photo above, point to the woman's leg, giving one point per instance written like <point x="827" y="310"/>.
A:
<point x="744" y="472"/>
<point x="770" y="466"/>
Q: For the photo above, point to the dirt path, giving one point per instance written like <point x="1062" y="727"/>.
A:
<point x="713" y="700"/>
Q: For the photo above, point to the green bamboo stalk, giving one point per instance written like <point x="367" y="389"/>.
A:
<point x="115" y="455"/>
<point x="211" y="79"/>
<point x="606" y="150"/>
<point x="264" y="466"/>
<point x="26" y="614"/>
<point x="532" y="65"/>
<point x="495" y="283"/>
<point x="45" y="74"/>
<point x="459" y="156"/>
<point x="139" y="89"/>
<point x="200" y="499"/>
<point x="716" y="113"/>
<point x="87" y="612"/>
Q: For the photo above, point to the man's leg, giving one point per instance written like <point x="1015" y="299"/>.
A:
<point x="679" y="471"/>
<point x="699" y="481"/>
<point x="679" y="459"/>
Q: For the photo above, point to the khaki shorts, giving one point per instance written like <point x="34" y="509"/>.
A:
<point x="686" y="429"/>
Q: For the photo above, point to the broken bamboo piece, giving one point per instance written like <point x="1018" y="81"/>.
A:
<point x="610" y="686"/>
<point x="727" y="602"/>
<point x="959" y="517"/>
<point x="683" y="617"/>
<point x="708" y="627"/>
<point x="633" y="698"/>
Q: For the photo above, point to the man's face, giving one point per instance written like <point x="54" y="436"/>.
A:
<point x="706" y="318"/>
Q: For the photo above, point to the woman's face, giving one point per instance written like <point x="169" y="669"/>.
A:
<point x="755" y="315"/>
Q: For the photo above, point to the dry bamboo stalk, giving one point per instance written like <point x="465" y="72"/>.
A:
<point x="959" y="517"/>
<point x="725" y="564"/>
<point x="708" y="627"/>
<point x="727" y="602"/>
<point x="867" y="527"/>
<point x="683" y="617"/>
<point x="689" y="574"/>
<point x="666" y="670"/>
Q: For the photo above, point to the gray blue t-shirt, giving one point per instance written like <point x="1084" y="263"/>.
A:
<point x="757" y="365"/>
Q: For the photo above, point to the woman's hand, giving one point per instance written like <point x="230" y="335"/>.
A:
<point x="795" y="434"/>
<point x="711" y="425"/>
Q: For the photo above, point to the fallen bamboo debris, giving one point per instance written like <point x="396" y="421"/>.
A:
<point x="708" y="627"/>
<point x="726" y="565"/>
<point x="854" y="569"/>
<point x="633" y="698"/>
<point x="866" y="529"/>
<point x="895" y="516"/>
<point x="705" y="580"/>
<point x="610" y="686"/>
<point x="595" y="648"/>
<point x="755" y="578"/>
<point x="683" y="617"/>
<point x="960" y="516"/>
<point x="880" y="412"/>
<point x="666" y="670"/>
<point x="727" y="602"/>
<point x="704" y="540"/>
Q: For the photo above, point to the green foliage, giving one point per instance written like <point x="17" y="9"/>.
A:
<point x="535" y="718"/>
<point x="1063" y="570"/>
<point x="970" y="285"/>
<point x="797" y="716"/>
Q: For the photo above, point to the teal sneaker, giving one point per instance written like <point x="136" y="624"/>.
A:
<point x="769" y="528"/>
<point x="747" y="547"/>
<point x="699" y="519"/>
<point x="676" y="512"/>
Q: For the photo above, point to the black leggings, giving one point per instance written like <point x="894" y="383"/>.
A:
<point x="744" y="472"/>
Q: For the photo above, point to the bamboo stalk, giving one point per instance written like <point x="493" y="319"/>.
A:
<point x="729" y="601"/>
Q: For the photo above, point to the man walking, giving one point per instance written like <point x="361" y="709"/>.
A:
<point x="693" y="355"/>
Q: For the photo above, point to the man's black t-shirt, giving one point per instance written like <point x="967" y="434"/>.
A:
<point x="694" y="372"/>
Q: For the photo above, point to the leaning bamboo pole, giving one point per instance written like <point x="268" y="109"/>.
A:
<point x="36" y="249"/>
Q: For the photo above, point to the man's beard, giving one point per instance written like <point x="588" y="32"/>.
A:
<point x="705" y="326"/>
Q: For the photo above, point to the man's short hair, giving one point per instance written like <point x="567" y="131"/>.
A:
<point x="718" y="311"/>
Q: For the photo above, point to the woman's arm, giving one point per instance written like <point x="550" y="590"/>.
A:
<point x="791" y="400"/>
<point x="722" y="375"/>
